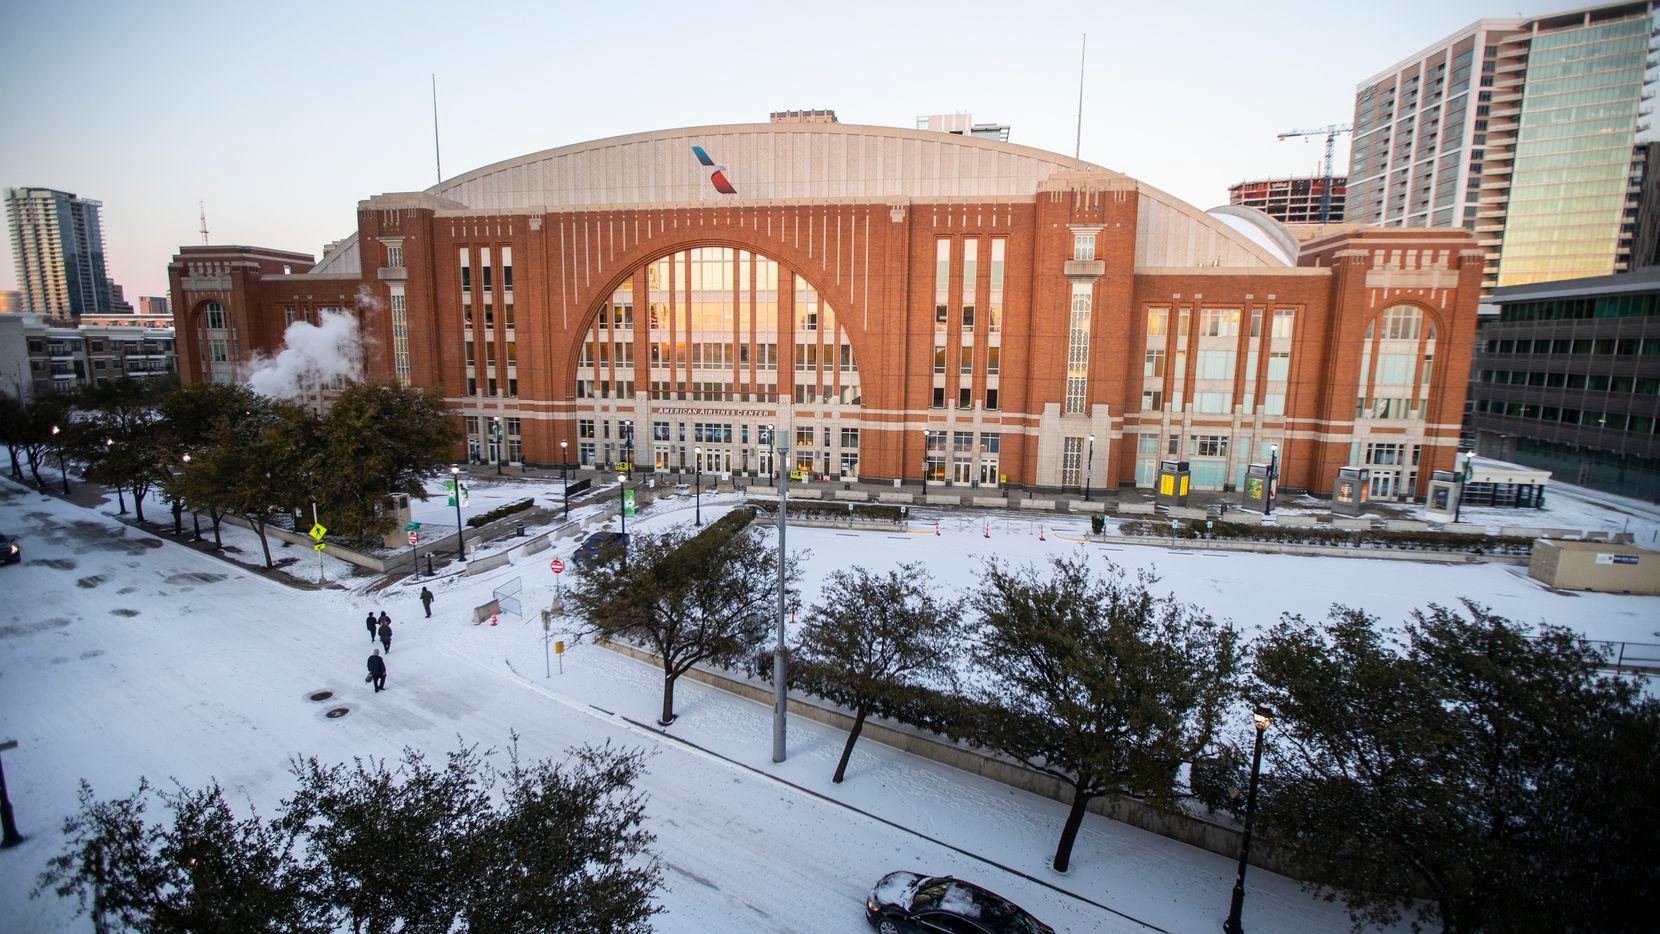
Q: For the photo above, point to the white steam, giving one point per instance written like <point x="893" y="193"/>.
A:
<point x="312" y="356"/>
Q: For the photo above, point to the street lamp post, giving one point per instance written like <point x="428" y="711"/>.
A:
<point x="565" y="466"/>
<point x="925" y="461"/>
<point x="495" y="430"/>
<point x="195" y="518"/>
<point x="1273" y="479"/>
<point x="1263" y="717"/>
<point x="1089" y="466"/>
<point x="628" y="447"/>
<point x="697" y="469"/>
<point x="780" y="666"/>
<point x="120" y="498"/>
<point x="62" y="468"/>
<point x="1463" y="478"/>
<point x="622" y="501"/>
<point x="460" y="542"/>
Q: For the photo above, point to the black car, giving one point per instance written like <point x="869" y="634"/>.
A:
<point x="909" y="901"/>
<point x="596" y="544"/>
<point x="10" y="551"/>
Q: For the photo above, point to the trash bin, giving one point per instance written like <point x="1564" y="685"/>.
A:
<point x="519" y="529"/>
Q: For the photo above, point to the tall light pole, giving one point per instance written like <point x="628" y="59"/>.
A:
<point x="622" y="501"/>
<point x="1273" y="478"/>
<point x="120" y="498"/>
<point x="628" y="448"/>
<point x="460" y="542"/>
<point x="1089" y="467"/>
<point x="61" y="466"/>
<point x="501" y="452"/>
<point x="195" y="518"/>
<point x="565" y="467"/>
<point x="697" y="468"/>
<point x="780" y="667"/>
<point x="925" y="461"/>
<point x="1263" y="717"/>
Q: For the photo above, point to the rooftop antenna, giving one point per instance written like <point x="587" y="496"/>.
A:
<point x="437" y="162"/>
<point x="1077" y="141"/>
<point x="203" y="211"/>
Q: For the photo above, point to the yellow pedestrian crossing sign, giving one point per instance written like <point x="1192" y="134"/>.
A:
<point x="318" y="531"/>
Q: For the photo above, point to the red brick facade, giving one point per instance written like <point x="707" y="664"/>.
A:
<point x="873" y="261"/>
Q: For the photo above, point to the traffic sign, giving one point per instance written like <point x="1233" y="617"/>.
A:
<point x="412" y="526"/>
<point x="556" y="566"/>
<point x="559" y="647"/>
<point x="412" y="538"/>
<point x="318" y="547"/>
<point x="318" y="531"/>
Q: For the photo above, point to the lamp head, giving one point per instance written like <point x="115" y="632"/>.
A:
<point x="1091" y="439"/>
<point x="454" y="469"/>
<point x="54" y="429"/>
<point x="1263" y="717"/>
<point x="186" y="458"/>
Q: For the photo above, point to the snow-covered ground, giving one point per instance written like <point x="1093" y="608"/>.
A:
<point x="122" y="655"/>
<point x="1576" y="507"/>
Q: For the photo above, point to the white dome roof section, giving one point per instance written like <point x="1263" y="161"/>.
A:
<point x="763" y="161"/>
<point x="1261" y="229"/>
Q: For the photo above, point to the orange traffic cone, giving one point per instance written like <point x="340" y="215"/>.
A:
<point x="988" y="529"/>
<point x="492" y="619"/>
<point x="1040" y="534"/>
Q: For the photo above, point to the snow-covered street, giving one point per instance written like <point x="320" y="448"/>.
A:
<point x="123" y="655"/>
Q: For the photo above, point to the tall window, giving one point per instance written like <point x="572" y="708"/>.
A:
<point x="994" y="300"/>
<point x="215" y="316"/>
<point x="1077" y="350"/>
<point x="971" y="266"/>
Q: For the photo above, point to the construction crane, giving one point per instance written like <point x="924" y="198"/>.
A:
<point x="1330" y="133"/>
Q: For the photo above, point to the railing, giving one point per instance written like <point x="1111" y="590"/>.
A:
<point x="1629" y="656"/>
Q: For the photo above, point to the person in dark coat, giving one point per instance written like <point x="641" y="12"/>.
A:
<point x="426" y="601"/>
<point x="370" y="622"/>
<point x="386" y="634"/>
<point x="377" y="671"/>
<point x="384" y="619"/>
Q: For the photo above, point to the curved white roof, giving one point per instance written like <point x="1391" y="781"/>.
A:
<point x="839" y="161"/>
<point x="1261" y="228"/>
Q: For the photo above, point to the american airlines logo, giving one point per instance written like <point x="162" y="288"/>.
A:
<point x="717" y="173"/>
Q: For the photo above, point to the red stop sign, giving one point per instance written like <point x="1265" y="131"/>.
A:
<point x="557" y="566"/>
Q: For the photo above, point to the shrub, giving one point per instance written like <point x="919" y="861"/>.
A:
<point x="485" y="518"/>
<point x="885" y="512"/>
<point x="1321" y="535"/>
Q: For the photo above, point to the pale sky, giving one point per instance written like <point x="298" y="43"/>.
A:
<point x="281" y="116"/>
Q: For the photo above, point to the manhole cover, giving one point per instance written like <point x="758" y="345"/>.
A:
<point x="338" y="712"/>
<point x="322" y="695"/>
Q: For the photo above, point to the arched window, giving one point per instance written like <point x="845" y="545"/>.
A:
<point x="1395" y="365"/>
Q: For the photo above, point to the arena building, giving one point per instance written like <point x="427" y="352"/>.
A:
<point x="884" y="303"/>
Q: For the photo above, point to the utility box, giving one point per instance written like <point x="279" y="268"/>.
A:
<point x="1602" y="566"/>
<point x="1444" y="491"/>
<point x="1172" y="486"/>
<point x="1351" y="490"/>
<point x="1258" y="488"/>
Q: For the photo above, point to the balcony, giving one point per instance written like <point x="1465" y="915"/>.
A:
<point x="1085" y="268"/>
<point x="392" y="273"/>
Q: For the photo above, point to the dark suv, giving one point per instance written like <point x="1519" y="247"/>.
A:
<point x="909" y="901"/>
<point x="596" y="545"/>
<point x="10" y="551"/>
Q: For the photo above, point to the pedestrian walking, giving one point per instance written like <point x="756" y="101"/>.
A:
<point x="370" y="622"/>
<point x="426" y="601"/>
<point x="377" y="671"/>
<point x="384" y="619"/>
<point x="386" y="634"/>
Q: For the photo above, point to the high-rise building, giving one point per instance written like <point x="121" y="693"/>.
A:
<point x="11" y="300"/>
<point x="1568" y="378"/>
<point x="883" y="303"/>
<point x="118" y="299"/>
<point x="963" y="125"/>
<point x="1292" y="200"/>
<point x="153" y="305"/>
<point x="1525" y="131"/>
<point x="58" y="244"/>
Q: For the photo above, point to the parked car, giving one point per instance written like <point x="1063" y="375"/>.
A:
<point x="909" y="901"/>
<point x="10" y="551"/>
<point x="596" y="544"/>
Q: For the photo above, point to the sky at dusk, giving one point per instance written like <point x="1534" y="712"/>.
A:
<point x="280" y="117"/>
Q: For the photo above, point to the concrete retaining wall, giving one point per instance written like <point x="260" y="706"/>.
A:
<point x="539" y="543"/>
<point x="1137" y="509"/>
<point x="1079" y="505"/>
<point x="1464" y="528"/>
<point x="852" y="496"/>
<point x="1296" y="522"/>
<point x="497" y="560"/>
<point x="1212" y="835"/>
<point x="339" y="552"/>
<point x="993" y="501"/>
<point x="943" y="499"/>
<point x="895" y="498"/>
<point x="804" y="493"/>
<point x="1036" y="504"/>
<point x="1324" y="551"/>
<point x="1406" y="525"/>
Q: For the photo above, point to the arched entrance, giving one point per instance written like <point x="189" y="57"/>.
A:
<point x="702" y="356"/>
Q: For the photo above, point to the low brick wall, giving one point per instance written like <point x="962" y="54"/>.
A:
<point x="1213" y="835"/>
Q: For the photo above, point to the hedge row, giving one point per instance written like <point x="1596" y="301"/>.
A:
<point x="945" y="713"/>
<point x="886" y="512"/>
<point x="1341" y="538"/>
<point x="485" y="518"/>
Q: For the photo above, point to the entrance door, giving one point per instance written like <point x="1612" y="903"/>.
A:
<point x="962" y="472"/>
<point x="988" y="471"/>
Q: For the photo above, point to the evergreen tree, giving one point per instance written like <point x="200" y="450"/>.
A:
<point x="375" y="440"/>
<point x="204" y="870"/>
<point x="689" y="598"/>
<point x="1486" y="766"/>
<point x="871" y="632"/>
<point x="1099" y="683"/>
